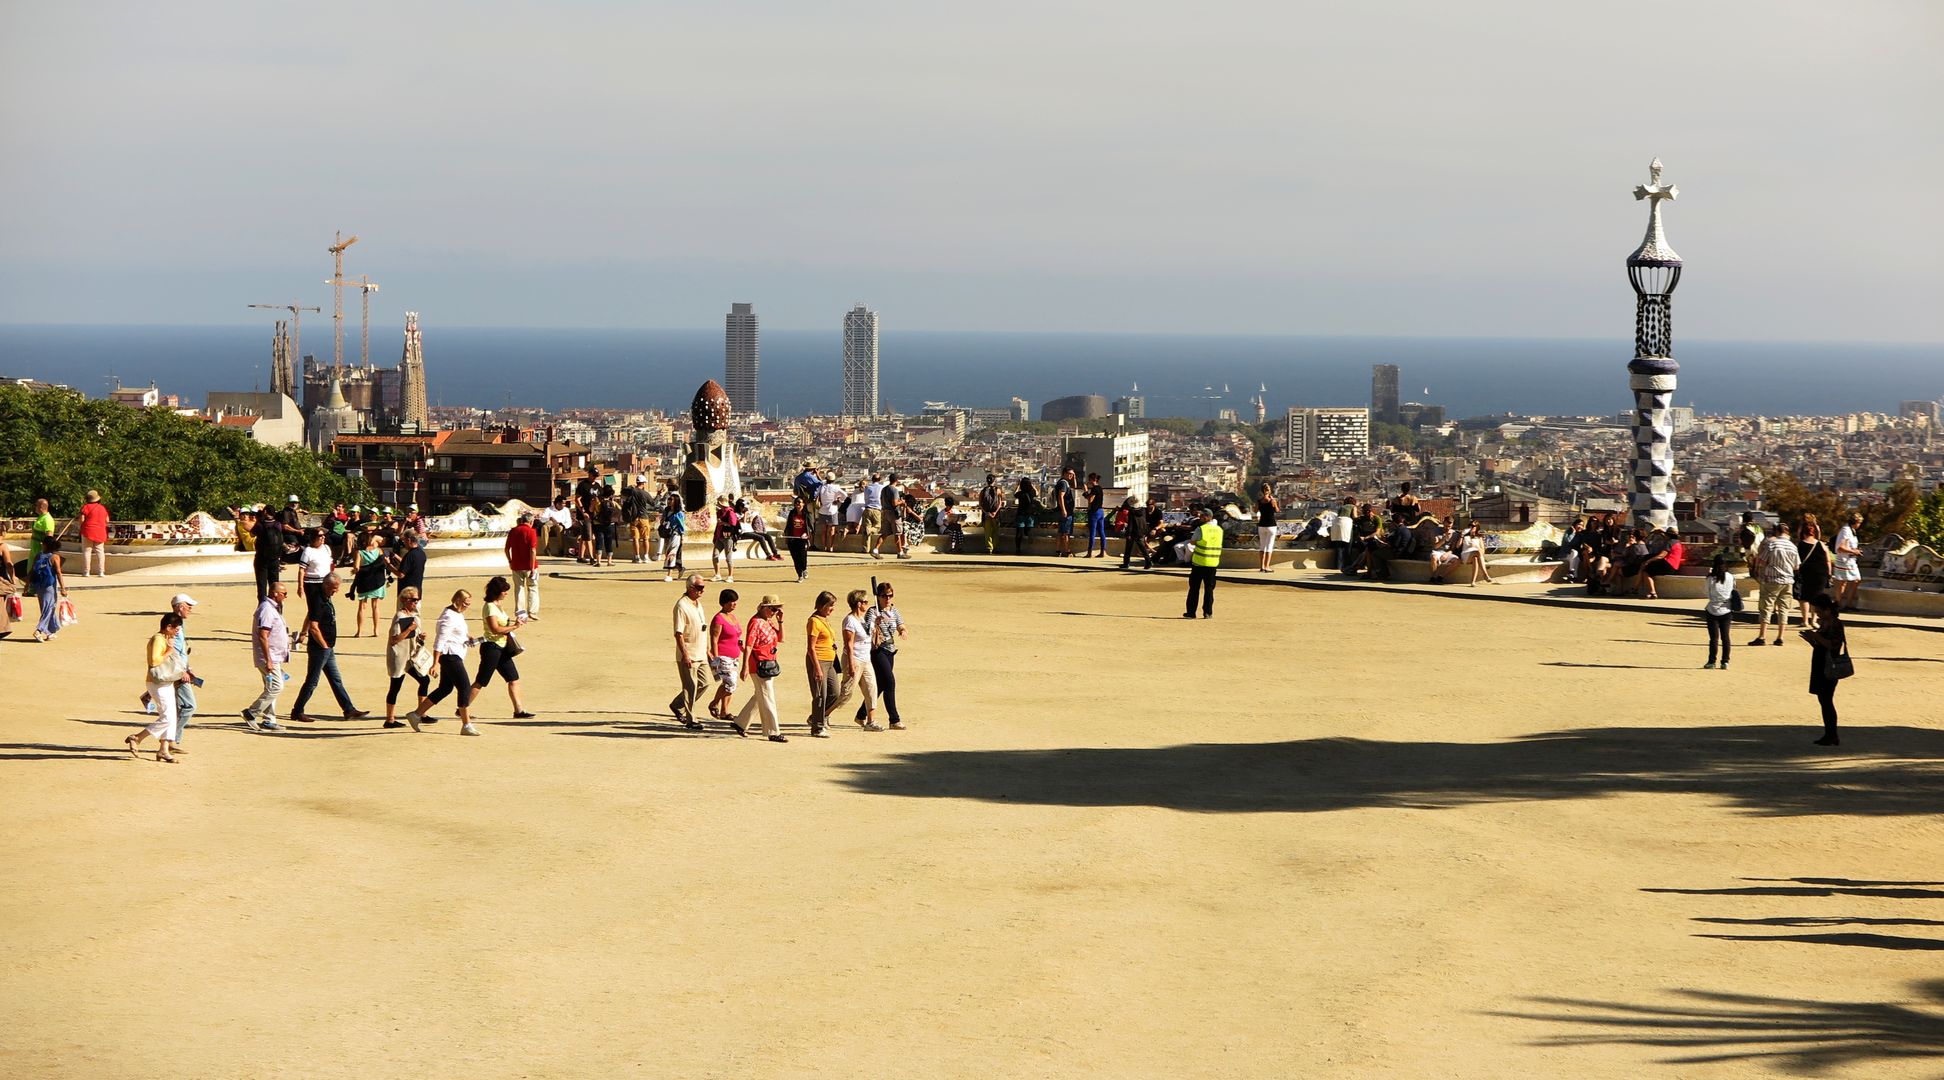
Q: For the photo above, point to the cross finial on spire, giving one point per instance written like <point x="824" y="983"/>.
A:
<point x="1653" y="189"/>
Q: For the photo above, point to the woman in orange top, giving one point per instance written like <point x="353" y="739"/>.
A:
<point x="820" y="659"/>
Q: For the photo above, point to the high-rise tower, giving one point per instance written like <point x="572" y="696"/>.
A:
<point x="1383" y="393"/>
<point x="1654" y="270"/>
<point x="740" y="358"/>
<point x="860" y="362"/>
<point x="411" y="376"/>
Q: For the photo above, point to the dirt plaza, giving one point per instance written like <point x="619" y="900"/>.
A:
<point x="1344" y="833"/>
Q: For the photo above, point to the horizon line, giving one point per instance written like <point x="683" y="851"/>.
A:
<point x="837" y="330"/>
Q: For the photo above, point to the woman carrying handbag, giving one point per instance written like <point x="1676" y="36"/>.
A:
<point x="1829" y="662"/>
<point x="165" y="668"/>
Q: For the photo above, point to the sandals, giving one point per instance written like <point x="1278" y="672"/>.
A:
<point x="132" y="742"/>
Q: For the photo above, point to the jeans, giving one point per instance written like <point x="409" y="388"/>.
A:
<point x="799" y="554"/>
<point x="321" y="662"/>
<point x="265" y="706"/>
<point x="1201" y="578"/>
<point x="50" y="598"/>
<point x="185" y="699"/>
<point x="1097" y="530"/>
<point x="526" y="591"/>
<point x="1718" y="632"/>
<point x="1135" y="542"/>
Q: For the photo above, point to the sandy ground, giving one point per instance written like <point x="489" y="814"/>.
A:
<point x="1322" y="835"/>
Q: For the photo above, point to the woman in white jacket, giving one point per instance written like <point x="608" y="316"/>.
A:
<point x="1720" y="611"/>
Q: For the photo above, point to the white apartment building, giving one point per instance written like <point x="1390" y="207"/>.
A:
<point x="1121" y="461"/>
<point x="1315" y="435"/>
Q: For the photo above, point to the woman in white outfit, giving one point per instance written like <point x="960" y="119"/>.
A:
<point x="165" y="668"/>
<point x="860" y="676"/>
<point x="449" y="643"/>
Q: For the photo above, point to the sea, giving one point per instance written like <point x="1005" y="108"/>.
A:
<point x="1185" y="375"/>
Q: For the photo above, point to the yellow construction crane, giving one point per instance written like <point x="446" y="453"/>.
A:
<point x="364" y="285"/>
<point x="339" y="243"/>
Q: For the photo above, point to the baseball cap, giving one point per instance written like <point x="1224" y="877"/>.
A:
<point x="293" y="498"/>
<point x="182" y="598"/>
<point x="414" y="506"/>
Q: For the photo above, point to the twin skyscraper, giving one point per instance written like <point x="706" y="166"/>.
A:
<point x="742" y="361"/>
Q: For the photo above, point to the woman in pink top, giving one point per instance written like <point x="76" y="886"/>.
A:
<point x="725" y="653"/>
<point x="1667" y="562"/>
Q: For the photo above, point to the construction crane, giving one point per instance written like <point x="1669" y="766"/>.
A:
<point x="364" y="285"/>
<point x="296" y="327"/>
<point x="339" y="243"/>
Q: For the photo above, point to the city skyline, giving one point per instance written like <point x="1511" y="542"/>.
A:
<point x="1335" y="171"/>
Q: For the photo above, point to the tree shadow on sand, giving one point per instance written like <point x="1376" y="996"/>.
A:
<point x="1765" y="770"/>
<point x="1792" y="1035"/>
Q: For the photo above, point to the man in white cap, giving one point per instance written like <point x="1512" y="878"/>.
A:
<point x="185" y="691"/>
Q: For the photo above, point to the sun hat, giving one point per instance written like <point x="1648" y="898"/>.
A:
<point x="293" y="498"/>
<point x="771" y="600"/>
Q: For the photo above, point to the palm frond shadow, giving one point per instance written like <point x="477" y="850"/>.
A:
<point x="1794" y="1034"/>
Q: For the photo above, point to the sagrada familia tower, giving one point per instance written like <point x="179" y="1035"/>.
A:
<point x="1654" y="270"/>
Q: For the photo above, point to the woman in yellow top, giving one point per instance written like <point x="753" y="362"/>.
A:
<point x="164" y="667"/>
<point x="820" y="658"/>
<point x="497" y="649"/>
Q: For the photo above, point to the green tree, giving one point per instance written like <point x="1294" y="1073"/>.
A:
<point x="148" y="464"/>
<point x="1925" y="522"/>
<point x="1790" y="499"/>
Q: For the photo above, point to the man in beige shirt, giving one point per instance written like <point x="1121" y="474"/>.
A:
<point x="691" y="652"/>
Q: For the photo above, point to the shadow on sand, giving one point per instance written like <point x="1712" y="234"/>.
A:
<point x="1790" y="1035"/>
<point x="1765" y="770"/>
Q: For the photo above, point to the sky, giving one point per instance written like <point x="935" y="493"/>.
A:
<point x="1404" y="168"/>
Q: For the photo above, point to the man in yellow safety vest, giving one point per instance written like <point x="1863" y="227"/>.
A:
<point x="1207" y="556"/>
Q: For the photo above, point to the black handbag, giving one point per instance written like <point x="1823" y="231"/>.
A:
<point x="1839" y="666"/>
<point x="768" y="669"/>
<point x="512" y="647"/>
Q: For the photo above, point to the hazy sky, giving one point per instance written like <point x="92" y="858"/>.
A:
<point x="1345" y="168"/>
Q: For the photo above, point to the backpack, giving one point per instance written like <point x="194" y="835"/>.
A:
<point x="42" y="577"/>
<point x="1120" y="519"/>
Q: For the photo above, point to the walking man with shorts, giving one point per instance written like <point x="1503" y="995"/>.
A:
<point x="1775" y="567"/>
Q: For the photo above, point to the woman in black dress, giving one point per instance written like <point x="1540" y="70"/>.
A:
<point x="1812" y="574"/>
<point x="1830" y="642"/>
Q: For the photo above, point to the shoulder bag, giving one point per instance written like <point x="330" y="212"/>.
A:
<point x="171" y="669"/>
<point x="1839" y="666"/>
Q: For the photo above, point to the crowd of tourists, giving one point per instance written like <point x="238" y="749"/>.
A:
<point x="378" y="554"/>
